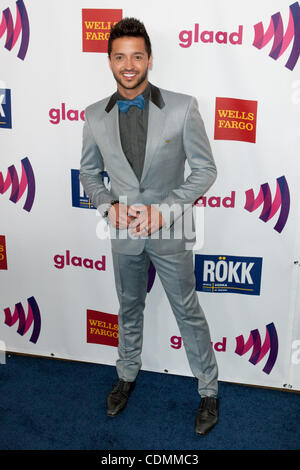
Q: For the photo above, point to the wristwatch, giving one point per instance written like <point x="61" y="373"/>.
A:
<point x="109" y="205"/>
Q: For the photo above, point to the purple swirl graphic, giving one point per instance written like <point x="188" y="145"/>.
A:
<point x="281" y="40"/>
<point x="259" y="351"/>
<point x="151" y="276"/>
<point x="281" y="202"/>
<point x="13" y="32"/>
<point x="25" y="323"/>
<point x="18" y="188"/>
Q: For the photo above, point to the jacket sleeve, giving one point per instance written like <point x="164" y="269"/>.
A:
<point x="91" y="166"/>
<point x="203" y="169"/>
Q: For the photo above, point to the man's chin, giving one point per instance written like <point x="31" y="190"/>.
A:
<point x="128" y="85"/>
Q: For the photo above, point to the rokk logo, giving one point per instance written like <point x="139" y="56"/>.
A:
<point x="235" y="119"/>
<point x="228" y="274"/>
<point x="5" y="109"/>
<point x="18" y="187"/>
<point x="259" y="350"/>
<point x="102" y="328"/>
<point x="13" y="31"/>
<point x="33" y="317"/>
<point x="79" y="197"/>
<point x="96" y="26"/>
<point x="281" y="40"/>
<point x="270" y="208"/>
<point x="3" y="257"/>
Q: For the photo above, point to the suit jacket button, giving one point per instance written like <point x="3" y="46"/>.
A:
<point x="142" y="190"/>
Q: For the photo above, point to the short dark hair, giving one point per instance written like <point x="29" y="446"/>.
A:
<point x="129" y="27"/>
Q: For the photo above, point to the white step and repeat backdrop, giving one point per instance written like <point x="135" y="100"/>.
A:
<point x="240" y="60"/>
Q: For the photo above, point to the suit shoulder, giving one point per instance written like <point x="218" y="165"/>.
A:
<point x="97" y="108"/>
<point x="180" y="98"/>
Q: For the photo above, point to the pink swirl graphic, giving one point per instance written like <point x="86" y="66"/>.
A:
<point x="259" y="351"/>
<point x="13" y="32"/>
<point x="270" y="208"/>
<point x="281" y="40"/>
<point x="33" y="317"/>
<point x="18" y="188"/>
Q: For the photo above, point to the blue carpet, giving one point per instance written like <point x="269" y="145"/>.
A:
<point x="51" y="404"/>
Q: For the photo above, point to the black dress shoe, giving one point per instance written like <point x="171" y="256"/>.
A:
<point x="118" y="397"/>
<point x="207" y="415"/>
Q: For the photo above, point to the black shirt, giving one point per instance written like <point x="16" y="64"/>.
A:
<point x="133" y="132"/>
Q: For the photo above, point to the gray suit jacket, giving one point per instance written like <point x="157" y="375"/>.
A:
<point x="175" y="133"/>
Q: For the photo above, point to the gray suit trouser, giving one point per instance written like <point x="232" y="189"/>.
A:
<point x="176" y="272"/>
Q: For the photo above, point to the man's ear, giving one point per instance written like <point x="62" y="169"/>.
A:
<point x="109" y="62"/>
<point x="150" y="62"/>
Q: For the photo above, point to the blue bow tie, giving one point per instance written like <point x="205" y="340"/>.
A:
<point x="124" y="105"/>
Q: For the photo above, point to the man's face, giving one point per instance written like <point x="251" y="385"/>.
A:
<point x="129" y="63"/>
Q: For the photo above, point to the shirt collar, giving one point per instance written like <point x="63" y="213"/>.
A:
<point x="146" y="94"/>
<point x="150" y="91"/>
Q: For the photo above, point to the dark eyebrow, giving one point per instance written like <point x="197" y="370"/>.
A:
<point x="122" y="53"/>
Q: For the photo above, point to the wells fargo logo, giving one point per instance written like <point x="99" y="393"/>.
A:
<point x="96" y="26"/>
<point x="19" y="186"/>
<point x="102" y="328"/>
<point x="13" y="31"/>
<point x="3" y="257"/>
<point x="33" y="318"/>
<point x="235" y="119"/>
<point x="281" y="39"/>
<point x="259" y="350"/>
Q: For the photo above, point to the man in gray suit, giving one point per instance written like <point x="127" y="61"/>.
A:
<point x="142" y="136"/>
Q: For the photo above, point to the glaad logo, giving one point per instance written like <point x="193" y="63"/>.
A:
<point x="25" y="323"/>
<point x="228" y="274"/>
<point x="61" y="261"/>
<point x="5" y="109"/>
<point x="79" y="197"/>
<point x="281" y="201"/>
<point x="187" y="37"/>
<point x="18" y="187"/>
<point x="220" y="346"/>
<point x="13" y="31"/>
<point x="57" y="115"/>
<point x="259" y="351"/>
<point x="281" y="40"/>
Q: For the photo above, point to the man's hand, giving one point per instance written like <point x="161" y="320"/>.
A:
<point x="147" y="220"/>
<point x="118" y="216"/>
